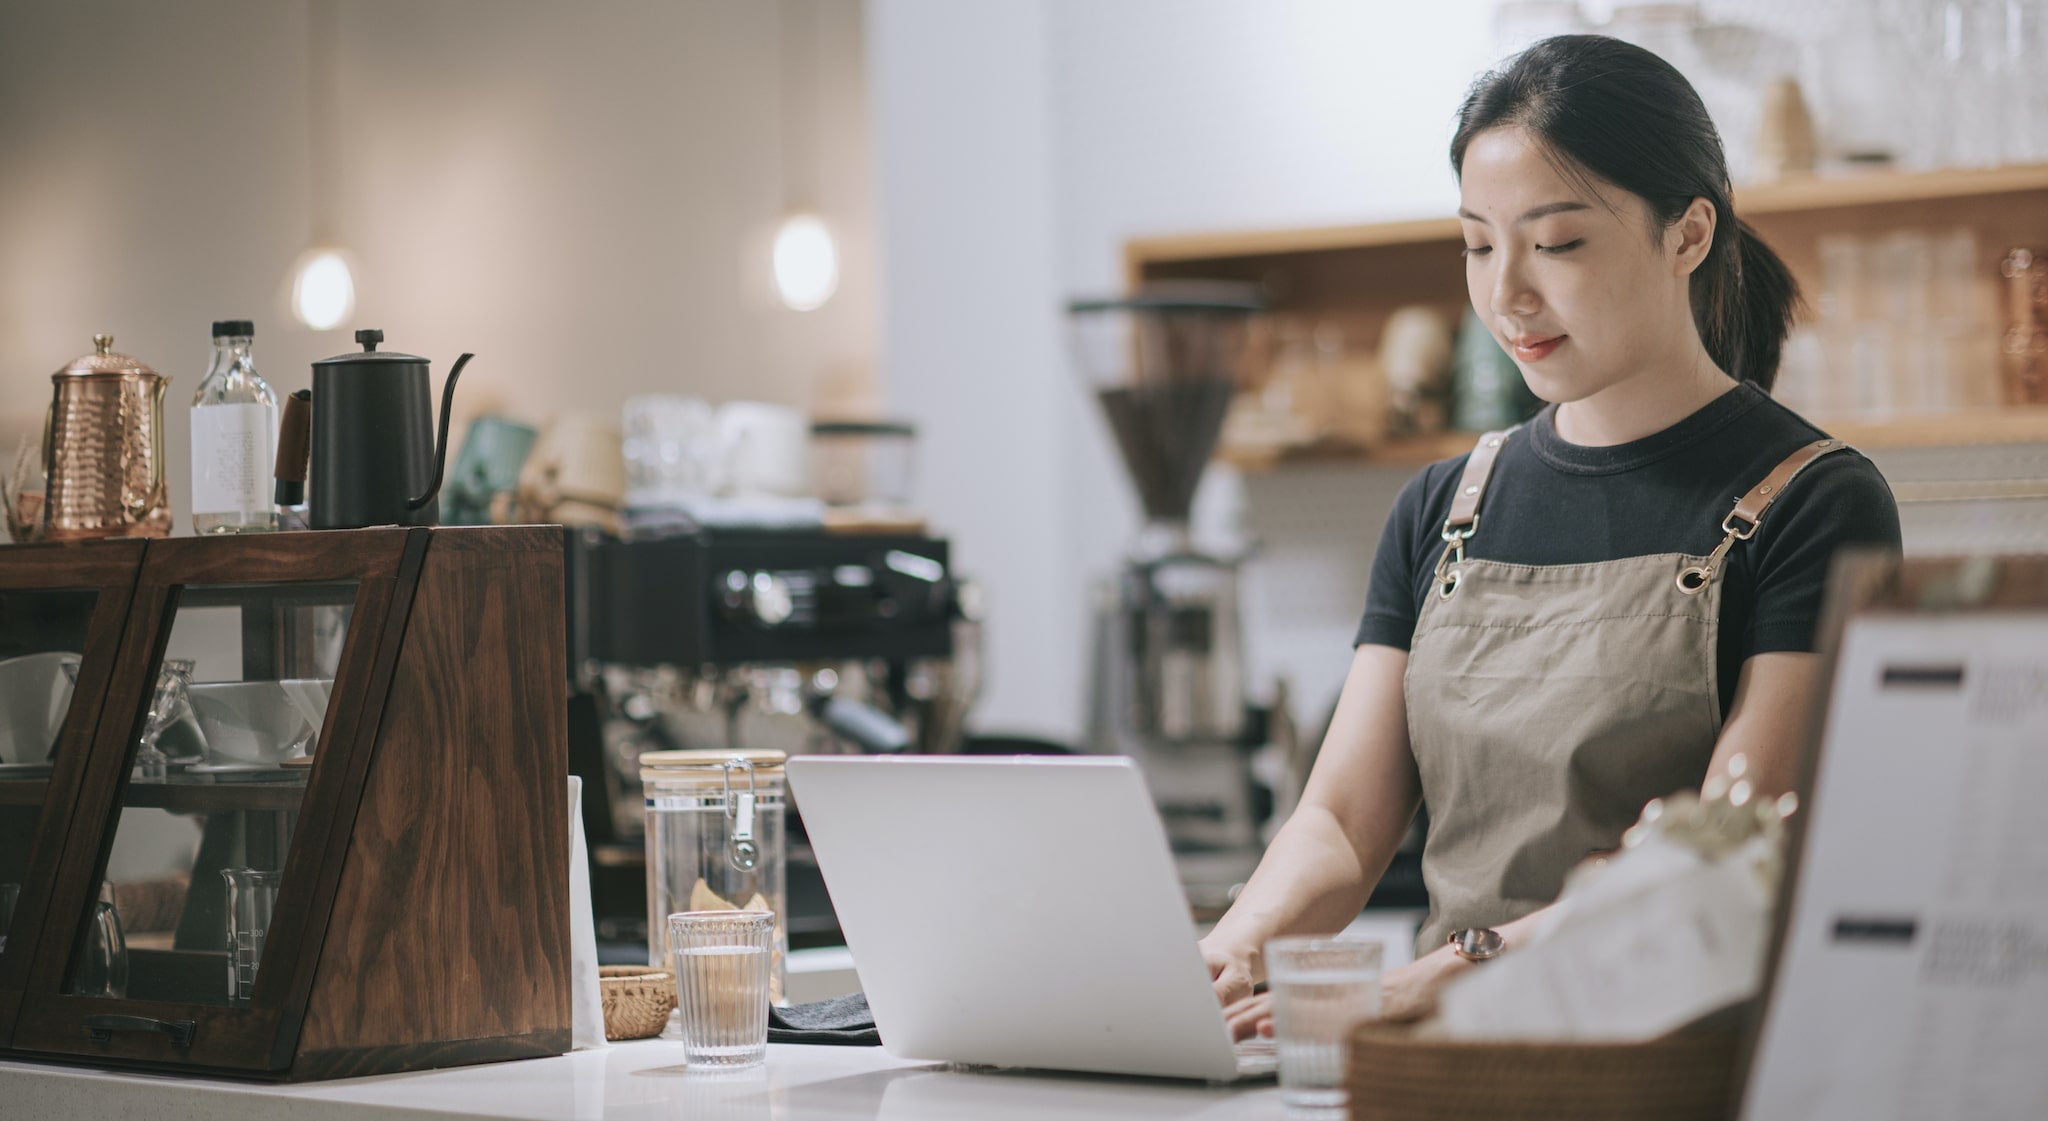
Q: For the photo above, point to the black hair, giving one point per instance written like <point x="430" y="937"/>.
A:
<point x="1631" y="119"/>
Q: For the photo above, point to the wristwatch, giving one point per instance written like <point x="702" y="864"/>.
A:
<point x="1477" y="943"/>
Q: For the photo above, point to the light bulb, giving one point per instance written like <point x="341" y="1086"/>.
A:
<point x="806" y="262"/>
<point x="323" y="291"/>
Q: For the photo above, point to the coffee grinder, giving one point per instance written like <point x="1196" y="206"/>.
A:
<point x="1168" y="683"/>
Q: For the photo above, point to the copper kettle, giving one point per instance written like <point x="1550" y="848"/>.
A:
<point x="103" y="449"/>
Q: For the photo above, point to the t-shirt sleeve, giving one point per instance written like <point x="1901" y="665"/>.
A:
<point x="1840" y="501"/>
<point x="1391" y="606"/>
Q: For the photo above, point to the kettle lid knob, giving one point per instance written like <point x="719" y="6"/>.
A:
<point x="369" y="339"/>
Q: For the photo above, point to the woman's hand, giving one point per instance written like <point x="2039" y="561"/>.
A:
<point x="1407" y="993"/>
<point x="1233" y="970"/>
<point x="1248" y="1017"/>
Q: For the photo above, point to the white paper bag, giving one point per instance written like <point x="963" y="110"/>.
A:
<point x="586" y="1002"/>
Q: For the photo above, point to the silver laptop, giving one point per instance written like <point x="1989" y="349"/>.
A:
<point x="1017" y="913"/>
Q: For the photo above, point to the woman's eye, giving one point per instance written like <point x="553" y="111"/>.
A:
<point x="1476" y="250"/>
<point x="1564" y="248"/>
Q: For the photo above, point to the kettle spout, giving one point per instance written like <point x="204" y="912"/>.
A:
<point x="441" y="444"/>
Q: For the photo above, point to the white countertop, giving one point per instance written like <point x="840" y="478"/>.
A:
<point x="641" y="1081"/>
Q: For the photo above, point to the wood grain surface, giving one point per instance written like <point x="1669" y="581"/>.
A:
<point x="451" y="921"/>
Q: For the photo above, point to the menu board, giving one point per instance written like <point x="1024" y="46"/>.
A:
<point x="1911" y="980"/>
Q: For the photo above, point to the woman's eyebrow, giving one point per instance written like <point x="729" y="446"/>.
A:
<point x="1532" y="213"/>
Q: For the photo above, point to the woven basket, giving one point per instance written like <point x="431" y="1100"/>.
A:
<point x="1396" y="1076"/>
<point x="637" y="1000"/>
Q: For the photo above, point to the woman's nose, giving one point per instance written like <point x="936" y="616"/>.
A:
<point x="1513" y="295"/>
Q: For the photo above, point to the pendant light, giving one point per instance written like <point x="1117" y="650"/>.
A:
<point x="323" y="283"/>
<point x="805" y="256"/>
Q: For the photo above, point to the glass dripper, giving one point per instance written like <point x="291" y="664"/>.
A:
<point x="167" y="705"/>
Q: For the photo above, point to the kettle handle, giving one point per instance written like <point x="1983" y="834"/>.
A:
<point x="441" y="444"/>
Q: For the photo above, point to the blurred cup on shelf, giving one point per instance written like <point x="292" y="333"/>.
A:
<point x="723" y="960"/>
<point x="767" y="448"/>
<point x="1322" y="988"/>
<point x="865" y="463"/>
<point x="575" y="475"/>
<point x="670" y="447"/>
<point x="492" y="454"/>
<point x="2024" y="350"/>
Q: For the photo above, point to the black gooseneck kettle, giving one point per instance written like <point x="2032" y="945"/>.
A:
<point x="374" y="455"/>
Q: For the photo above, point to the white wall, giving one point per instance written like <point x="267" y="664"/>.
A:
<point x="961" y="122"/>
<point x="576" y="191"/>
<point x="1019" y="144"/>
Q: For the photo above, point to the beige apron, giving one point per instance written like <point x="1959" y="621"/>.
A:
<point x="1548" y="703"/>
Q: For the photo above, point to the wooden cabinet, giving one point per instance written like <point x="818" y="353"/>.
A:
<point x="350" y="855"/>
<point x="1352" y="277"/>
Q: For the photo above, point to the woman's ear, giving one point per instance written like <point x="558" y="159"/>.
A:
<point x="1689" y="238"/>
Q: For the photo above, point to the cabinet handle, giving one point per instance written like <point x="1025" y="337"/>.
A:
<point x="101" y="1028"/>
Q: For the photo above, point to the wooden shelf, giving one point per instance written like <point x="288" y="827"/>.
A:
<point x="2010" y="425"/>
<point x="1351" y="278"/>
<point x="23" y="792"/>
<point x="2014" y="424"/>
<point x="1793" y="196"/>
<point x="224" y="797"/>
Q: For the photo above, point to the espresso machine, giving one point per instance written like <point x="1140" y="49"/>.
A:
<point x="801" y="640"/>
<point x="1168" y="665"/>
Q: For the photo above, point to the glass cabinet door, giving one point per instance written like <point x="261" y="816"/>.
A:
<point x="231" y="741"/>
<point x="42" y="643"/>
<point x="61" y="609"/>
<point x="218" y="775"/>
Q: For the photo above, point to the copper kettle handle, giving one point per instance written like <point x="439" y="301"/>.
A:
<point x="139" y="508"/>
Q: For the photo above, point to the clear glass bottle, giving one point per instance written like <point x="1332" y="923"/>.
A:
<point x="234" y="438"/>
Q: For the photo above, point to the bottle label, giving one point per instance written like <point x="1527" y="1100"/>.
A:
<point x="232" y="459"/>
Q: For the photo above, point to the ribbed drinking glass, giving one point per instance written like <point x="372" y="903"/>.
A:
<point x="723" y="960"/>
<point x="1322" y="988"/>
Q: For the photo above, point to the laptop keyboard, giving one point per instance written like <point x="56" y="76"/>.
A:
<point x="1257" y="1055"/>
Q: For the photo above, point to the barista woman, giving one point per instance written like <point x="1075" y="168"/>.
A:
<point x="1609" y="602"/>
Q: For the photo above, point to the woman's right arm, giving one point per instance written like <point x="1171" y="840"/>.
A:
<point x="1322" y="865"/>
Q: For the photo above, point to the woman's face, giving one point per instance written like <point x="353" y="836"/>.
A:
<point x="1567" y="273"/>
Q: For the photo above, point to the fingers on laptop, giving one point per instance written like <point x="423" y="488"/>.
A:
<point x="1250" y="1016"/>
<point x="1232" y="985"/>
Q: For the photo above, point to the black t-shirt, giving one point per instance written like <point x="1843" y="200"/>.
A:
<point x="1551" y="502"/>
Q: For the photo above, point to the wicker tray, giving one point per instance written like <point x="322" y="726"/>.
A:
<point x="637" y="1000"/>
<point x="1394" y="1075"/>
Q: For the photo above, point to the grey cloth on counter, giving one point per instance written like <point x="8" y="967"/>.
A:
<point x="843" y="1020"/>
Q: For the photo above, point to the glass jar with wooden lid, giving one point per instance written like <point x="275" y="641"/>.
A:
<point x="715" y="841"/>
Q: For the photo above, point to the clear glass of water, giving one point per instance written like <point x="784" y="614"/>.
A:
<point x="723" y="961"/>
<point x="1322" y="988"/>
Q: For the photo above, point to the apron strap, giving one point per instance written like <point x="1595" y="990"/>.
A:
<point x="1463" y="521"/>
<point x="1742" y="522"/>
<point x="1472" y="487"/>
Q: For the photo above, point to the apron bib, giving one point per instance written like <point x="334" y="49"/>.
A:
<point x="1548" y="703"/>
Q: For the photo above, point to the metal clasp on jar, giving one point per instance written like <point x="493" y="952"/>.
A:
<point x="741" y="850"/>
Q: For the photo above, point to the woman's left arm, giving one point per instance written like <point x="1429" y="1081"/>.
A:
<point x="1770" y="720"/>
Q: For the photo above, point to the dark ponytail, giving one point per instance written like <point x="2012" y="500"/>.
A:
<point x="1625" y="116"/>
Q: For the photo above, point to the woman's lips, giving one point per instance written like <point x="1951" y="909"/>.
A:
<point x="1532" y="348"/>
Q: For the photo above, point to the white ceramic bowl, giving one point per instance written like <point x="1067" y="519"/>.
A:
<point x="246" y="721"/>
<point x="34" y="695"/>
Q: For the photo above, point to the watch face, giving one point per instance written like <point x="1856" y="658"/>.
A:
<point x="1477" y="943"/>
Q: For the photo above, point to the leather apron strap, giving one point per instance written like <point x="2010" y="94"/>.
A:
<point x="1741" y="523"/>
<point x="1463" y="520"/>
